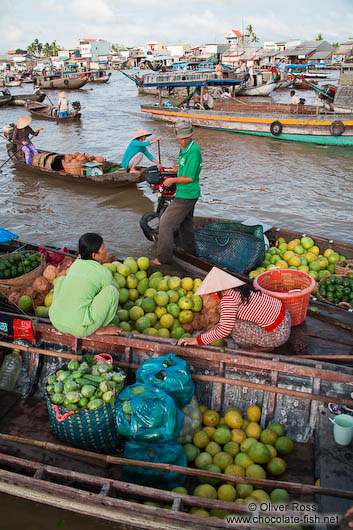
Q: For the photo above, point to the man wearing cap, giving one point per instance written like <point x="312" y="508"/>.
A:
<point x="180" y="211"/>
<point x="255" y="320"/>
<point x="21" y="137"/>
<point x="136" y="149"/>
<point x="63" y="105"/>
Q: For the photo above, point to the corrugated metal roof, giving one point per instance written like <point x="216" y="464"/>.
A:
<point x="320" y="55"/>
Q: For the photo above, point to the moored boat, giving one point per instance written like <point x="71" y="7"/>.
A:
<point x="34" y="466"/>
<point x="274" y="120"/>
<point x="98" y="76"/>
<point x="5" y="98"/>
<point x="262" y="90"/>
<point x="40" y="111"/>
<point x="67" y="81"/>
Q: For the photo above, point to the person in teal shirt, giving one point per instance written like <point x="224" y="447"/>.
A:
<point x="180" y="211"/>
<point x="136" y="149"/>
<point x="85" y="301"/>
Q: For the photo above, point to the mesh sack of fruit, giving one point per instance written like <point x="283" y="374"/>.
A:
<point x="161" y="453"/>
<point x="147" y="414"/>
<point x="169" y="373"/>
<point x="80" y="400"/>
<point x="192" y="421"/>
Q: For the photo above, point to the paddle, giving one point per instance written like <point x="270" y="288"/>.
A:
<point x="159" y="152"/>
<point x="15" y="153"/>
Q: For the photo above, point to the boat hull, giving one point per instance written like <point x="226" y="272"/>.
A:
<point x="61" y="83"/>
<point x="295" y="127"/>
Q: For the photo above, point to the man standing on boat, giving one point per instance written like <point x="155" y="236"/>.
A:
<point x="136" y="149"/>
<point x="21" y="138"/>
<point x="63" y="105"/>
<point x="180" y="211"/>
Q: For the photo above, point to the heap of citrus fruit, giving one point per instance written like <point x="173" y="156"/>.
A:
<point x="299" y="254"/>
<point x="156" y="304"/>
<point x="237" y="445"/>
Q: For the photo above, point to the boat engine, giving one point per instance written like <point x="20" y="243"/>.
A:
<point x="76" y="105"/>
<point x="8" y="131"/>
<point x="155" y="177"/>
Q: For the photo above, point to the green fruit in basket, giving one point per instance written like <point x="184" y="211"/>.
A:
<point x="59" y="387"/>
<point x="95" y="403"/>
<point x="57" y="399"/>
<point x="117" y="377"/>
<point x="25" y="303"/>
<point x="84" y="368"/>
<point x="50" y="389"/>
<point x="105" y="367"/>
<point x="52" y="380"/>
<point x="107" y="376"/>
<point x="83" y="402"/>
<point x="73" y="365"/>
<point x="107" y="396"/>
<point x="72" y="397"/>
<point x="72" y="407"/>
<point x="104" y="386"/>
<point x="63" y="375"/>
<point x="88" y="391"/>
<point x="70" y="386"/>
<point x="76" y="375"/>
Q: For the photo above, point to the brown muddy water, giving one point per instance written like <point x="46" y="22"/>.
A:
<point x="299" y="186"/>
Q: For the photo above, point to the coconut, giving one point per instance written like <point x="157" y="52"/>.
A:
<point x="90" y="158"/>
<point x="187" y="327"/>
<point x="41" y="285"/>
<point x="100" y="159"/>
<point x="14" y="296"/>
<point x="75" y="154"/>
<point x="38" y="298"/>
<point x="197" y="322"/>
<point x="50" y="273"/>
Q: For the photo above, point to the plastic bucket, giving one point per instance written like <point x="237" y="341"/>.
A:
<point x="343" y="429"/>
<point x="291" y="286"/>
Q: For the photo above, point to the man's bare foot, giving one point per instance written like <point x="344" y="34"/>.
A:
<point x="108" y="330"/>
<point x="156" y="261"/>
<point x="134" y="170"/>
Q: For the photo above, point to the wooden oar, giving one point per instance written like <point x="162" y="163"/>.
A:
<point x="159" y="152"/>
<point x="291" y="486"/>
<point x="15" y="153"/>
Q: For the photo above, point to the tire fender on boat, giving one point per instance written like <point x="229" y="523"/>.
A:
<point x="150" y="233"/>
<point x="336" y="128"/>
<point x="66" y="82"/>
<point x="51" y="84"/>
<point x="276" y="128"/>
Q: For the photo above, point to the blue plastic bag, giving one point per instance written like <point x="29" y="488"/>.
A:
<point x="147" y="414"/>
<point x="163" y="453"/>
<point x="169" y="373"/>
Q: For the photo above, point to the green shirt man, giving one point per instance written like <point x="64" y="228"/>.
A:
<point x="179" y="214"/>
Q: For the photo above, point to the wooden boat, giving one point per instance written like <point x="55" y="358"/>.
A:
<point x="10" y="81"/>
<point x="54" y="169"/>
<point x="98" y="76"/>
<point x="5" y="98"/>
<point x="22" y="99"/>
<point x="40" y="111"/>
<point x="66" y="82"/>
<point x="34" y="466"/>
<point x="273" y="120"/>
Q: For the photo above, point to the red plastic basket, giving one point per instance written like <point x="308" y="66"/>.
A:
<point x="291" y="286"/>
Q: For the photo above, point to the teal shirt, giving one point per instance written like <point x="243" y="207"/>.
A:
<point x="190" y="164"/>
<point x="135" y="147"/>
<point x="74" y="293"/>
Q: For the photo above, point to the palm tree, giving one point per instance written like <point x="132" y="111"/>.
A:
<point x="335" y="45"/>
<point x="251" y="33"/>
<point x="35" y="48"/>
<point x="55" y="48"/>
<point x="46" y="49"/>
<point x="319" y="36"/>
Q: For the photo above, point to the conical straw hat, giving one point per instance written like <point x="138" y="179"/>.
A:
<point x="141" y="132"/>
<point x="62" y="95"/>
<point x="23" y="121"/>
<point x="218" y="280"/>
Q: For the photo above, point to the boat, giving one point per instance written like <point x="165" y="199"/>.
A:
<point x="273" y="120"/>
<point x="262" y="90"/>
<point x="10" y="81"/>
<point x="35" y="466"/>
<point x="66" y="81"/>
<point x="51" y="165"/>
<point x="40" y="111"/>
<point x="5" y="98"/>
<point x="20" y="99"/>
<point x="98" y="76"/>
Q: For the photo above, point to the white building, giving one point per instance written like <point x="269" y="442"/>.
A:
<point x="155" y="47"/>
<point x="92" y="48"/>
<point x="178" y="50"/>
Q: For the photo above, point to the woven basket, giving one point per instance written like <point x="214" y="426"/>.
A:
<point x="27" y="279"/>
<point x="340" y="268"/>
<point x="345" y="305"/>
<point x="75" y="168"/>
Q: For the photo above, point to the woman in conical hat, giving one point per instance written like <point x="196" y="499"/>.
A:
<point x="255" y="320"/>
<point x="136" y="149"/>
<point x="21" y="138"/>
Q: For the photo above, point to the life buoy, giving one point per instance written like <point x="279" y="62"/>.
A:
<point x="276" y="128"/>
<point x="66" y="82"/>
<point x="336" y="128"/>
<point x="51" y="84"/>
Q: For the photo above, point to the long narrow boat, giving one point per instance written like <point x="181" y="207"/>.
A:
<point x="273" y="120"/>
<point x="98" y="76"/>
<point x="65" y="82"/>
<point x="262" y="90"/>
<point x="5" y="99"/>
<point x="40" y="111"/>
<point x="35" y="467"/>
<point x="22" y="99"/>
<point x="52" y="167"/>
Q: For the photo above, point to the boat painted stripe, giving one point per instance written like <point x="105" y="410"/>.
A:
<point x="342" y="141"/>
<point x="325" y="123"/>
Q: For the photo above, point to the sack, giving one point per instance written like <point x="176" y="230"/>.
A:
<point x="192" y="422"/>
<point x="147" y="414"/>
<point x="237" y="247"/>
<point x="169" y="373"/>
<point x="93" y="430"/>
<point x="162" y="453"/>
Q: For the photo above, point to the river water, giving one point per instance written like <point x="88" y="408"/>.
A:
<point x="299" y="186"/>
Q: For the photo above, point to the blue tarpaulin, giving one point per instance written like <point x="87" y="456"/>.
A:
<point x="6" y="235"/>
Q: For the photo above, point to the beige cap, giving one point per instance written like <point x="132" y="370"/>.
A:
<point x="218" y="280"/>
<point x="62" y="95"/>
<point x="141" y="132"/>
<point x="183" y="128"/>
<point x="23" y="121"/>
